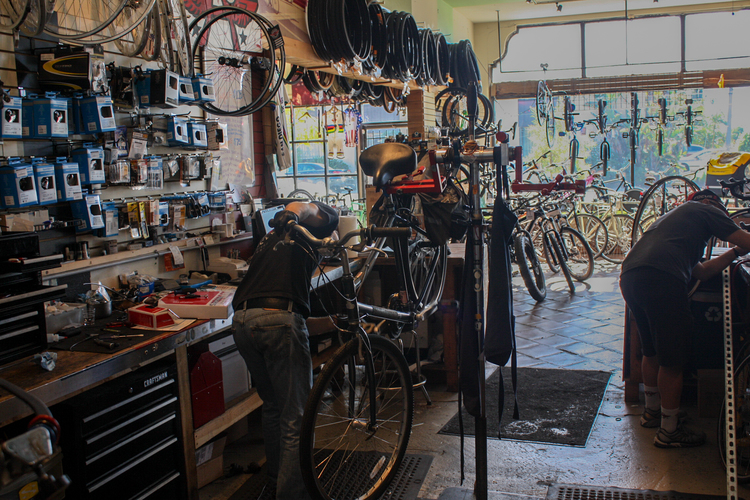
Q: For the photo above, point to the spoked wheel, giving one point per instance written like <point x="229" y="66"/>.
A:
<point x="33" y="24"/>
<point x="741" y="422"/>
<point x="543" y="250"/>
<point x="13" y="13"/>
<point x="558" y="253"/>
<point x="593" y="230"/>
<point x="342" y="455"/>
<point x="549" y="126"/>
<point x="134" y="41"/>
<point x="427" y="267"/>
<point x="542" y="102"/>
<point x="530" y="267"/>
<point x="580" y="258"/>
<point x="620" y="230"/>
<point x="664" y="195"/>
<point x="228" y="40"/>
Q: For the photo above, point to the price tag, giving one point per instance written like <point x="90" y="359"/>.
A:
<point x="176" y="256"/>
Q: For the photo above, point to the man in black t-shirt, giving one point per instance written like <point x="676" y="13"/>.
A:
<point x="654" y="281"/>
<point x="271" y="306"/>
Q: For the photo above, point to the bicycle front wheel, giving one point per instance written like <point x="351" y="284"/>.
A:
<point x="557" y="251"/>
<point x="592" y="229"/>
<point x="580" y="258"/>
<point x="530" y="267"/>
<point x="620" y="230"/>
<point x="342" y="455"/>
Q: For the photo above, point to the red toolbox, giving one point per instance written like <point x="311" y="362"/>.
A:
<point x="207" y="388"/>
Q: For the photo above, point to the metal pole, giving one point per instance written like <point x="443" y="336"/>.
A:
<point x="480" y="486"/>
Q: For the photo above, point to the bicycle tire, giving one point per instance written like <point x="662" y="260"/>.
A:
<point x="181" y="57"/>
<point x="75" y="24"/>
<point x="741" y="387"/>
<point x="620" y="230"/>
<point x="13" y="13"/>
<point x="579" y="258"/>
<point x="35" y="19"/>
<point x="305" y="194"/>
<point x="549" y="125"/>
<point x="336" y="416"/>
<point x="593" y="229"/>
<point x="153" y="47"/>
<point x="543" y="251"/>
<point x="555" y="246"/>
<point x="662" y="196"/>
<point x="134" y="41"/>
<point x="234" y="94"/>
<point x="530" y="267"/>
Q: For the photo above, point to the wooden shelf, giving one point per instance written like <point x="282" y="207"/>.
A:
<point x="238" y="409"/>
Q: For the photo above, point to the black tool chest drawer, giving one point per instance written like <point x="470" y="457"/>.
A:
<point x="121" y="440"/>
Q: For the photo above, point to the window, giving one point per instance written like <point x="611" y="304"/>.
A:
<point x="323" y="150"/>
<point x="557" y="46"/>
<point x="718" y="40"/>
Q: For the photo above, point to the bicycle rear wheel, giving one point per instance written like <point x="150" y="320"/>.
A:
<point x="530" y="267"/>
<point x="620" y="230"/>
<point x="580" y="258"/>
<point x="664" y="195"/>
<point x="341" y="456"/>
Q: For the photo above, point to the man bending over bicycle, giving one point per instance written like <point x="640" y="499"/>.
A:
<point x="271" y="305"/>
<point x="654" y="283"/>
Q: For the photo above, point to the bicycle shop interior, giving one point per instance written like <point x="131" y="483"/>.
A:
<point x="147" y="145"/>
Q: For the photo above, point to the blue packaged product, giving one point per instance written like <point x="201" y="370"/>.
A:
<point x="17" y="185"/>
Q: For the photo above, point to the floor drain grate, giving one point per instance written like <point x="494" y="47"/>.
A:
<point x="405" y="485"/>
<point x="580" y="492"/>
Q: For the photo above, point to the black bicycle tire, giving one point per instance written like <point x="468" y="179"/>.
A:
<point x="645" y="198"/>
<point x="739" y="396"/>
<point x="302" y="192"/>
<point x="321" y="390"/>
<point x="541" y="111"/>
<point x="589" y="257"/>
<point x="550" y="257"/>
<point x="533" y="276"/>
<point x="429" y="288"/>
<point x="21" y="13"/>
<point x="155" y="32"/>
<point x="549" y="125"/>
<point x="276" y="74"/>
<point x="563" y="265"/>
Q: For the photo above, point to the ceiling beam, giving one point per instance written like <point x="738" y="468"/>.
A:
<point x="708" y="79"/>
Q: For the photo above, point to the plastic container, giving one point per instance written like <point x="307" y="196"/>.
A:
<point x="59" y="320"/>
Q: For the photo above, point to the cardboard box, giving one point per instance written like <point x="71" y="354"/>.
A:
<point x="210" y="471"/>
<point x="17" y="185"/>
<point x="210" y="304"/>
<point x="160" y="88"/>
<point x="97" y="115"/>
<point x="203" y="89"/>
<point x="12" y="118"/>
<point x="51" y="117"/>
<point x="210" y="451"/>
<point x="152" y="317"/>
<point x="67" y="180"/>
<point x="186" y="90"/>
<point x="177" y="131"/>
<point x="217" y="135"/>
<point x="89" y="210"/>
<point x="197" y="134"/>
<point x="44" y="174"/>
<point x="90" y="164"/>
<point x="65" y="68"/>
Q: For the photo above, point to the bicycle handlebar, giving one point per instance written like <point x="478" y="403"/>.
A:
<point x="735" y="187"/>
<point x="367" y="233"/>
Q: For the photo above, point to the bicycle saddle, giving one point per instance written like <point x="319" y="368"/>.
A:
<point x="385" y="161"/>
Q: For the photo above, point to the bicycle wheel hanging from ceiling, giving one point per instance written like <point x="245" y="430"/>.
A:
<point x="36" y="17"/>
<point x="86" y="21"/>
<point x="134" y="41"/>
<point x="229" y="40"/>
<point x="451" y="102"/>
<point x="177" y="34"/>
<point x="13" y="13"/>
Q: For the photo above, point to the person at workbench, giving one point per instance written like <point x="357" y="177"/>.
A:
<point x="654" y="283"/>
<point x="270" y="308"/>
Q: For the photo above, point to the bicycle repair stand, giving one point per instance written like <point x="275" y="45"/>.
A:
<point x="472" y="155"/>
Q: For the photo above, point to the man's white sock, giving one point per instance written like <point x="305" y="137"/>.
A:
<point x="653" y="397"/>
<point x="669" y="419"/>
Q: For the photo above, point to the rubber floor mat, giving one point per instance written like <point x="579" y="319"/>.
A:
<point x="558" y="491"/>
<point x="405" y="485"/>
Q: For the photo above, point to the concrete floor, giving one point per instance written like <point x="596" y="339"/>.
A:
<point x="582" y="331"/>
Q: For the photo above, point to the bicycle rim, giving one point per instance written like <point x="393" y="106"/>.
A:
<point x="133" y="41"/>
<point x="549" y="125"/>
<point x="181" y="58"/>
<point x="81" y="20"/>
<point x="620" y="230"/>
<point x="340" y="457"/>
<point x="152" y="48"/>
<point x="742" y="422"/>
<point x="530" y="267"/>
<point x="593" y="230"/>
<point x="541" y="103"/>
<point x="33" y="23"/>
<point x="223" y="49"/>
<point x="427" y="267"/>
<point x="561" y="260"/>
<point x="13" y="13"/>
<point x="580" y="261"/>
<point x="543" y="249"/>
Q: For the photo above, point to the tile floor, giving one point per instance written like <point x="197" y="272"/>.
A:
<point x="581" y="331"/>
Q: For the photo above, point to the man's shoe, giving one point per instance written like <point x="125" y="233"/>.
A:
<point x="651" y="419"/>
<point x="682" y="437"/>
